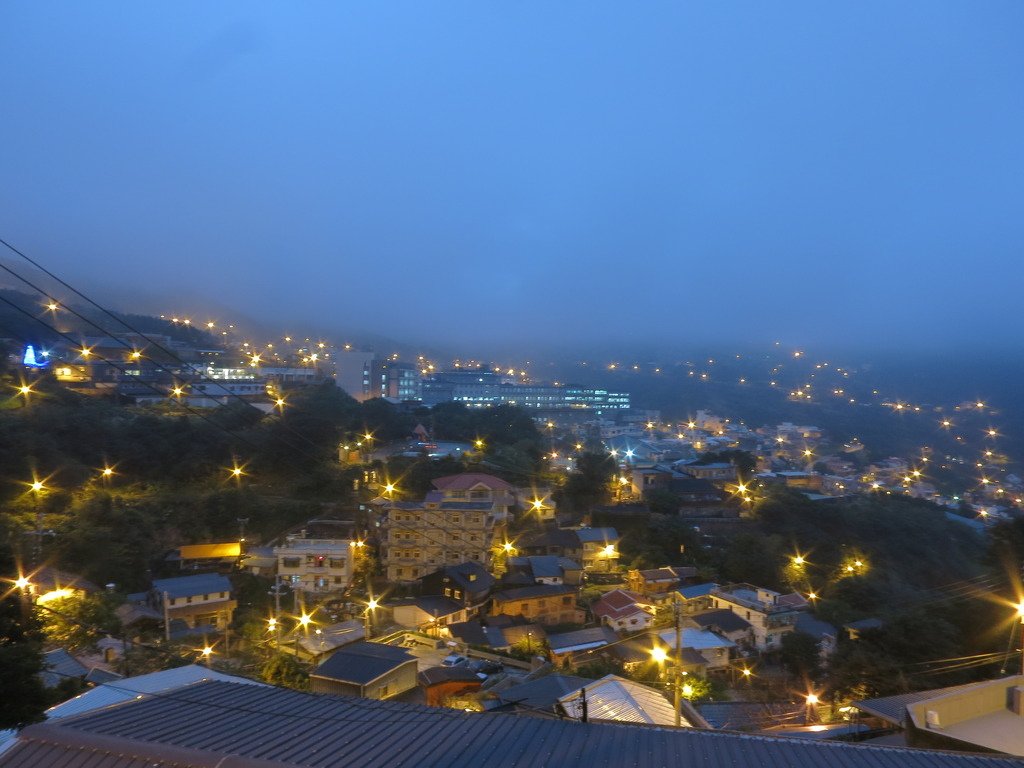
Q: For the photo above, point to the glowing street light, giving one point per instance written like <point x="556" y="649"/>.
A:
<point x="1020" y="615"/>
<point x="799" y="560"/>
<point x="371" y="606"/>
<point x="22" y="582"/>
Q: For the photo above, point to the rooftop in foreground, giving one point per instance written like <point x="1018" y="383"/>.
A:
<point x="227" y="724"/>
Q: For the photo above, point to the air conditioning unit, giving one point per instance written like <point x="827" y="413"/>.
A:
<point x="1017" y="700"/>
<point x="932" y="720"/>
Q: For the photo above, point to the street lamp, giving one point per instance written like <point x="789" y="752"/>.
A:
<point x="660" y="655"/>
<point x="811" y="701"/>
<point x="371" y="606"/>
<point x="1020" y="614"/>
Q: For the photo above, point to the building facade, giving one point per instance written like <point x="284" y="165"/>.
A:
<point x="316" y="566"/>
<point x="464" y="519"/>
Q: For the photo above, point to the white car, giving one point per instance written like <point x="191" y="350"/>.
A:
<point x="453" y="660"/>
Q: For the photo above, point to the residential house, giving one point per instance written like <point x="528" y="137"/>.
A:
<point x="542" y="569"/>
<point x="697" y="496"/>
<point x="697" y="597"/>
<point x="715" y="649"/>
<point x="716" y="472"/>
<point x="636" y="653"/>
<point x="657" y="584"/>
<point x="463" y="519"/>
<point x="624" y="611"/>
<point x="723" y="622"/>
<point x="199" y="601"/>
<point x="985" y="716"/>
<point x="366" y="669"/>
<point x="48" y="583"/>
<point x="770" y="613"/>
<point x="316" y="566"/>
<point x="600" y="547"/>
<point x="499" y="633"/>
<point x="536" y="504"/>
<point x="319" y="644"/>
<point x="561" y="542"/>
<point x="441" y="683"/>
<point x="566" y="647"/>
<point x="542" y="603"/>
<point x="468" y="584"/>
<point x="597" y="549"/>
<point x="430" y="614"/>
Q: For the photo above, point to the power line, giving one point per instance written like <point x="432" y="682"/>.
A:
<point x="131" y="328"/>
<point x="117" y="367"/>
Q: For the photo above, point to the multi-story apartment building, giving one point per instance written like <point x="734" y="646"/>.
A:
<point x="316" y="566"/>
<point x="464" y="519"/>
<point x="770" y="614"/>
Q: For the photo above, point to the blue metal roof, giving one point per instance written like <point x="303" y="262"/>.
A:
<point x="289" y="728"/>
<point x="190" y="586"/>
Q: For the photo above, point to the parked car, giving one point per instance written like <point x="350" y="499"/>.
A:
<point x="484" y="668"/>
<point x="453" y="660"/>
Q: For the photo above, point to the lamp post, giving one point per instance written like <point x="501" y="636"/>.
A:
<point x="1020" y="614"/>
<point x="660" y="655"/>
<point x="371" y="606"/>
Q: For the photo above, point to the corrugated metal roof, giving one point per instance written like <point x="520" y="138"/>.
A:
<point x="363" y="662"/>
<point x="41" y="754"/>
<point x="332" y="731"/>
<point x="894" y="708"/>
<point x="58" y="666"/>
<point x="196" y="584"/>
<point x="697" y="590"/>
<point x="130" y="688"/>
<point x="616" y="699"/>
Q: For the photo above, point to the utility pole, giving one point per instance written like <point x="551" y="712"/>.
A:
<point x="679" y="660"/>
<point x="167" y="619"/>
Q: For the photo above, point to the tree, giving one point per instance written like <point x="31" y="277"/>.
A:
<point x="800" y="655"/>
<point x="21" y="657"/>
<point x="590" y="484"/>
<point x="79" y="621"/>
<point x="284" y="669"/>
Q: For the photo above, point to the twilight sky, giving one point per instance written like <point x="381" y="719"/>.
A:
<point x="528" y="173"/>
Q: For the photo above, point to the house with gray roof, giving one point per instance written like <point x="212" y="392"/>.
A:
<point x="366" y="669"/>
